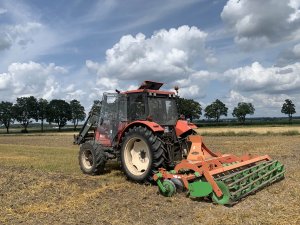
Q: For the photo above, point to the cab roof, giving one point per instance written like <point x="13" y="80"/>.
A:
<point x="150" y="87"/>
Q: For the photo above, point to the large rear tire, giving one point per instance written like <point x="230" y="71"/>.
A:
<point x="91" y="159"/>
<point x="141" y="154"/>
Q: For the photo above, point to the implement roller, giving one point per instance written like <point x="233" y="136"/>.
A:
<point x="225" y="179"/>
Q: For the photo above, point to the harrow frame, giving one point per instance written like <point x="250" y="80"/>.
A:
<point x="225" y="178"/>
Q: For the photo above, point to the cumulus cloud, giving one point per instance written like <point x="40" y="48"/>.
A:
<point x="21" y="34"/>
<point x="264" y="104"/>
<point x="5" y="41"/>
<point x="257" y="23"/>
<point x="3" y="11"/>
<point x="289" y="56"/>
<point x="271" y="80"/>
<point x="25" y="79"/>
<point x="168" y="55"/>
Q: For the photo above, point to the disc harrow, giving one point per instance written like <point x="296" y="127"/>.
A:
<point x="225" y="179"/>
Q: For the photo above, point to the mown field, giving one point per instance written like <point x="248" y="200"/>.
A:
<point x="250" y="130"/>
<point x="41" y="183"/>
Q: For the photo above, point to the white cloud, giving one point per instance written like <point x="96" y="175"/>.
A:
<point x="267" y="105"/>
<point x="296" y="50"/>
<point x="272" y="80"/>
<point x="265" y="87"/>
<point x="25" y="79"/>
<point x="20" y="34"/>
<point x="3" y="11"/>
<point x="167" y="56"/>
<point x="256" y="23"/>
<point x="289" y="56"/>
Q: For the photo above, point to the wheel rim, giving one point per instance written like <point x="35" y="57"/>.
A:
<point x="137" y="156"/>
<point x="87" y="159"/>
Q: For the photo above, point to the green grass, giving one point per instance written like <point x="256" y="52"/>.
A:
<point x="53" y="159"/>
<point x="250" y="133"/>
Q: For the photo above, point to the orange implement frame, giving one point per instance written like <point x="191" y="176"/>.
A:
<point x="206" y="163"/>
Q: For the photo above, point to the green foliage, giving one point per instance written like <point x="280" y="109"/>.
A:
<point x="96" y="106"/>
<point x="77" y="111"/>
<point x="288" y="108"/>
<point x="189" y="108"/>
<point x="216" y="110"/>
<point x="6" y="114"/>
<point x="59" y="111"/>
<point x="25" y="109"/>
<point x="42" y="111"/>
<point x="242" y="110"/>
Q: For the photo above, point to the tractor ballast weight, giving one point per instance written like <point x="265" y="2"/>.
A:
<point x="140" y="128"/>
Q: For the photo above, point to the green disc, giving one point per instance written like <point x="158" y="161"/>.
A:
<point x="225" y="198"/>
<point x="170" y="188"/>
<point x="199" y="189"/>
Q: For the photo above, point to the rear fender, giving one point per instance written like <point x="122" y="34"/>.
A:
<point x="183" y="126"/>
<point x="150" y="125"/>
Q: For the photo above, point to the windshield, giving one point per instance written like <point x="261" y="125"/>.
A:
<point x="163" y="110"/>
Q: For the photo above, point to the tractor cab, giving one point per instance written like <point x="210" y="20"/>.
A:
<point x="147" y="103"/>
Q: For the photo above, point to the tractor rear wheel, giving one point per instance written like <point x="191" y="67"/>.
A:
<point x="141" y="154"/>
<point x="91" y="160"/>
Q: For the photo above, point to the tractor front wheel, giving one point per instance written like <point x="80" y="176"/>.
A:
<point x="141" y="154"/>
<point x="91" y="159"/>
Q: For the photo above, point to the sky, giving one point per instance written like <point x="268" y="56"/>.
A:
<point x="235" y="50"/>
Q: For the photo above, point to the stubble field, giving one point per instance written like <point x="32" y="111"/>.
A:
<point x="41" y="183"/>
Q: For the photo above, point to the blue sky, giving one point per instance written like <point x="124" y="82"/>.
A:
<point x="247" y="50"/>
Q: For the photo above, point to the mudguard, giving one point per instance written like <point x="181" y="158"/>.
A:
<point x="151" y="125"/>
<point x="183" y="126"/>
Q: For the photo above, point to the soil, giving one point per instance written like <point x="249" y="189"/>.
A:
<point x="32" y="196"/>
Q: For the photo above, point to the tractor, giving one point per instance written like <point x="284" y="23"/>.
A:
<point x="143" y="131"/>
<point x="140" y="128"/>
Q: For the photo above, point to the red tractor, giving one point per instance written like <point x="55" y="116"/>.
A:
<point x="140" y="128"/>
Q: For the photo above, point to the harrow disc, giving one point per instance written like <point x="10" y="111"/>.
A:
<point x="225" y="198"/>
<point x="169" y="188"/>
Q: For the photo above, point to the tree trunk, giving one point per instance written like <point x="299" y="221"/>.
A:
<point x="7" y="131"/>
<point x="25" y="125"/>
<point x="290" y="118"/>
<point x="42" y="125"/>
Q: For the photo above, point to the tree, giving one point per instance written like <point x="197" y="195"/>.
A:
<point x="189" y="108"/>
<point x="216" y="110"/>
<point x="59" y="111"/>
<point x="25" y="109"/>
<point x="6" y="114"/>
<point x="96" y="106"/>
<point x="42" y="111"/>
<point x="288" y="108"/>
<point x="77" y="111"/>
<point x="242" y="110"/>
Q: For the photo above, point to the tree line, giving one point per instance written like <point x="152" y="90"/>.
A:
<point x="193" y="110"/>
<point x="60" y="112"/>
<point x="27" y="109"/>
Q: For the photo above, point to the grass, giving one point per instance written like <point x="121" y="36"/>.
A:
<point x="250" y="131"/>
<point x="40" y="180"/>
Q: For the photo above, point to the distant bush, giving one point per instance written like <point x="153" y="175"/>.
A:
<point x="291" y="133"/>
